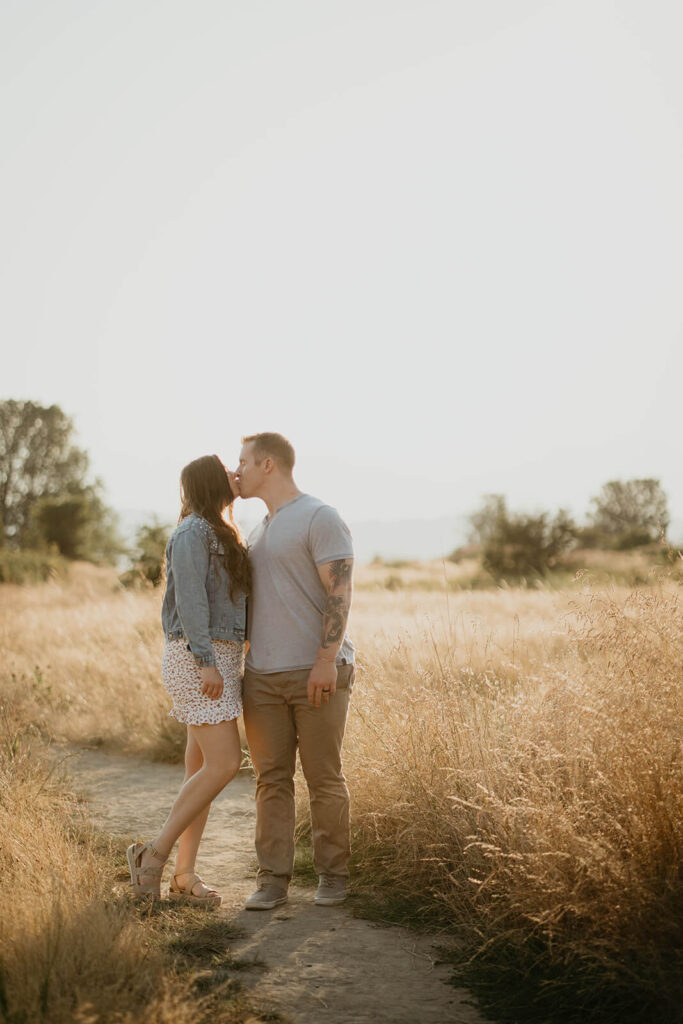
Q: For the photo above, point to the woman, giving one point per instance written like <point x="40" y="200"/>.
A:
<point x="203" y="616"/>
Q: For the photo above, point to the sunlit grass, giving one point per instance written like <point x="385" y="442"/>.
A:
<point x="84" y="654"/>
<point x="515" y="767"/>
<point x="74" y="947"/>
<point x="513" y="756"/>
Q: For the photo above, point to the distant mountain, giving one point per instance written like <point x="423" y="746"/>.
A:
<point x="407" y="538"/>
<point x="675" y="532"/>
<point x="431" y="538"/>
<point x="411" y="539"/>
<point x="131" y="519"/>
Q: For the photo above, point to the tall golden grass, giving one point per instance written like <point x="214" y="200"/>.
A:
<point x="514" y="761"/>
<point x="79" y="662"/>
<point x="531" y="788"/>
<point x="83" y="655"/>
<point x="73" y="946"/>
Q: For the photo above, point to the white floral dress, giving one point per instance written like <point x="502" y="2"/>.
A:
<point x="183" y="681"/>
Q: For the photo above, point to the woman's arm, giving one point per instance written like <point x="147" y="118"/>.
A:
<point x="190" y="562"/>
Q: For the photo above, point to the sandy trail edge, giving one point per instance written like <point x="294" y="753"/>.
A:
<point x="317" y="965"/>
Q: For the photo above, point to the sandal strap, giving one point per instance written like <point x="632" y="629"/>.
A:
<point x="149" y="869"/>
<point x="208" y="891"/>
<point x="194" y="880"/>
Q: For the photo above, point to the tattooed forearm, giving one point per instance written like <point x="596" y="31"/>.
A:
<point x="337" y="578"/>
<point x="340" y="572"/>
<point x="334" y="620"/>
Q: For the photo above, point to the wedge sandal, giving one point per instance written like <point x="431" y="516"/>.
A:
<point x="146" y="881"/>
<point x="196" y="892"/>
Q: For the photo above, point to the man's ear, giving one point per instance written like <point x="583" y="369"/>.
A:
<point x="268" y="464"/>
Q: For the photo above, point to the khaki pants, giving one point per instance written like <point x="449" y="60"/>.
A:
<point x="277" y="719"/>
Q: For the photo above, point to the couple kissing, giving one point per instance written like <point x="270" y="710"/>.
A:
<point x="288" y="593"/>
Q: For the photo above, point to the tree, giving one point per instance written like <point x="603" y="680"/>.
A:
<point x="630" y="512"/>
<point x="488" y="521"/>
<point x="149" y="554"/>
<point x="80" y="525"/>
<point x="45" y="496"/>
<point x="516" y="545"/>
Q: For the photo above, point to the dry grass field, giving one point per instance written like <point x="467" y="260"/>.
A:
<point x="514" y="761"/>
<point x="73" y="945"/>
<point x="80" y="664"/>
<point x="516" y="765"/>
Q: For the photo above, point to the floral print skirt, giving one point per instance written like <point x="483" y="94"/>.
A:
<point x="183" y="681"/>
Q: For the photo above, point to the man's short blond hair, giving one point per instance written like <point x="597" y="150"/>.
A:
<point x="274" y="446"/>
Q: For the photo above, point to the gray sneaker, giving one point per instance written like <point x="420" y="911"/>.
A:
<point x="331" y="891"/>
<point x="267" y="896"/>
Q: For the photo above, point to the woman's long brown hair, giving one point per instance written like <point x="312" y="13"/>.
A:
<point x="205" y="490"/>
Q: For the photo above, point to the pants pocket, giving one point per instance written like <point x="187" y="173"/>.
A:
<point x="345" y="677"/>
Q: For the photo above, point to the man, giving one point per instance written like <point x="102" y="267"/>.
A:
<point x="299" y="671"/>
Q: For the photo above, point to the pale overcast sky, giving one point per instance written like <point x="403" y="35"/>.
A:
<point x="437" y="244"/>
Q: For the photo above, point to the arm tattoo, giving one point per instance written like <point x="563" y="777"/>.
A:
<point x="334" y="620"/>
<point x="340" y="571"/>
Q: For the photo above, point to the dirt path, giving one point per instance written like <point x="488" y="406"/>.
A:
<point x="318" y="965"/>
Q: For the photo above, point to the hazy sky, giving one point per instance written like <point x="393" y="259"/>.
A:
<point x="437" y="244"/>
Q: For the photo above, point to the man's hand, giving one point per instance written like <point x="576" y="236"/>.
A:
<point x="212" y="682"/>
<point x="322" y="682"/>
<point x="336" y="577"/>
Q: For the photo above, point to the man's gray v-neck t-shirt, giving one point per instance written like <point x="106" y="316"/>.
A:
<point x="287" y="600"/>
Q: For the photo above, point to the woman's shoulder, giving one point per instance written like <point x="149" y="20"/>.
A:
<point x="193" y="524"/>
<point x="197" y="526"/>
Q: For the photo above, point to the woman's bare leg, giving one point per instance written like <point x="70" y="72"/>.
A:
<point x="221" y="758"/>
<point x="188" y="843"/>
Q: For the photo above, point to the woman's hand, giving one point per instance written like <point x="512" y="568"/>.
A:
<point x="234" y="483"/>
<point x="212" y="682"/>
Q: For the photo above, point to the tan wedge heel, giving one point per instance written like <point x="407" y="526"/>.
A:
<point x="146" y="881"/>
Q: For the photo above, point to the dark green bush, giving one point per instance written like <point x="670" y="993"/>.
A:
<point x="515" y="546"/>
<point x="148" y="555"/>
<point x="79" y="524"/>
<point x="630" y="513"/>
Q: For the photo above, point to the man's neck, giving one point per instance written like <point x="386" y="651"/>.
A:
<point x="280" y="494"/>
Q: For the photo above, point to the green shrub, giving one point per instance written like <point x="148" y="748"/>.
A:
<point x="80" y="526"/>
<point x="629" y="513"/>
<point x="148" y="555"/>
<point x="516" y="545"/>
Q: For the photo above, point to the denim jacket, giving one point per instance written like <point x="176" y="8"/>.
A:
<point x="197" y="604"/>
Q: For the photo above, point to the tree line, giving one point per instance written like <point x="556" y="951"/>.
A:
<point x="48" y="499"/>
<point x="49" y="502"/>
<point x="625" y="514"/>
